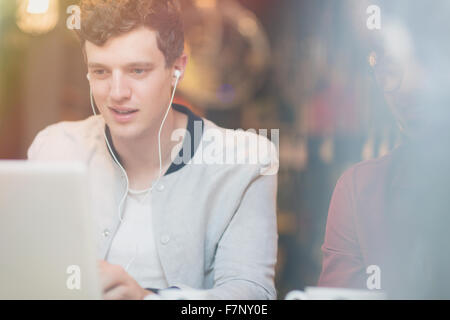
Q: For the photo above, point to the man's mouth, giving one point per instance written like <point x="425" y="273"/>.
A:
<point x="123" y="110"/>
<point x="123" y="115"/>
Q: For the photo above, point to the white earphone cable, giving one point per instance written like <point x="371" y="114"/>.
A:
<point x="162" y="124"/>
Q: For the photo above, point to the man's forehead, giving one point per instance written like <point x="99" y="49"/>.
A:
<point x="138" y="46"/>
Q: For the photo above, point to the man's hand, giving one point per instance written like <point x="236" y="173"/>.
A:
<point x="117" y="284"/>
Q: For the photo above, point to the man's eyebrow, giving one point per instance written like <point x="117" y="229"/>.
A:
<point x="96" y="65"/>
<point x="140" y="64"/>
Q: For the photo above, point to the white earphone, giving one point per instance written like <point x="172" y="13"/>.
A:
<point x="177" y="75"/>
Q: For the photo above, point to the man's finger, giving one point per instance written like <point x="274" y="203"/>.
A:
<point x="116" y="293"/>
<point x="110" y="275"/>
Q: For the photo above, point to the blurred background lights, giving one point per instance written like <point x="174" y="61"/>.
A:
<point x="37" y="16"/>
<point x="372" y="59"/>
<point x="206" y="4"/>
<point x="226" y="93"/>
<point x="247" y="26"/>
<point x="38" y="6"/>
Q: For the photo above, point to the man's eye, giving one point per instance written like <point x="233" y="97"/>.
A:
<point x="139" y="71"/>
<point x="99" y="72"/>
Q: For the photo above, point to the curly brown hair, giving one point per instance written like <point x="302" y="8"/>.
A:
<point x="105" y="19"/>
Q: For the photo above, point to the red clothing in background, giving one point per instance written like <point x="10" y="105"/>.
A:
<point x="356" y="227"/>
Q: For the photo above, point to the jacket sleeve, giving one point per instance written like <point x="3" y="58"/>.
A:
<point x="50" y="144"/>
<point x="54" y="143"/>
<point x="342" y="264"/>
<point x="34" y="151"/>
<point x="246" y="255"/>
<point x="247" y="251"/>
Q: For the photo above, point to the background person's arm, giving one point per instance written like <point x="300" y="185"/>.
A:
<point x="342" y="264"/>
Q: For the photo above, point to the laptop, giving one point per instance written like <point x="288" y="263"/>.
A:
<point x="47" y="246"/>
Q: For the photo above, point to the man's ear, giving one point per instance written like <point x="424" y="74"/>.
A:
<point x="180" y="65"/>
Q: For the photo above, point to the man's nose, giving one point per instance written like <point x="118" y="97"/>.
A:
<point x="120" y="89"/>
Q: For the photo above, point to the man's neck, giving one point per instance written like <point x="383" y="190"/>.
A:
<point x="140" y="156"/>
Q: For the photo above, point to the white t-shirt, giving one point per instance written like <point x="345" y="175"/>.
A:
<point x="134" y="247"/>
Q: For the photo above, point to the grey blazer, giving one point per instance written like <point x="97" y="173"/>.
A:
<point x="214" y="223"/>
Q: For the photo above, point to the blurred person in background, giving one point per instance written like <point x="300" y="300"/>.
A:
<point x="394" y="212"/>
<point x="182" y="223"/>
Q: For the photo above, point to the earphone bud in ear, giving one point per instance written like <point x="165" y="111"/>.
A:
<point x="177" y="73"/>
<point x="88" y="76"/>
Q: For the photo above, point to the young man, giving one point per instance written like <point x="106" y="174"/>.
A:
<point x="162" y="222"/>
<point x="388" y="219"/>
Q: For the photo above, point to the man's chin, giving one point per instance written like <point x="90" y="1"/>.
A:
<point x="128" y="131"/>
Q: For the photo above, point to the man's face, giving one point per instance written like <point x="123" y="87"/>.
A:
<point x="129" y="73"/>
